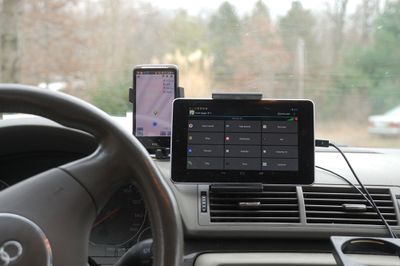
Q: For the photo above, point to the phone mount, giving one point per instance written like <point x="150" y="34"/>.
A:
<point x="343" y="246"/>
<point x="131" y="96"/>
<point x="161" y="153"/>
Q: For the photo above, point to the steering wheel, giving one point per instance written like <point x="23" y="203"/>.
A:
<point x="46" y="219"/>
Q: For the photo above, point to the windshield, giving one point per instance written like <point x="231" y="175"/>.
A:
<point x="344" y="55"/>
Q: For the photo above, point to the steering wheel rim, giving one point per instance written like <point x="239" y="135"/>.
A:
<point x="84" y="186"/>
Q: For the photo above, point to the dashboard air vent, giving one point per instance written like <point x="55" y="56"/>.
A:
<point x="344" y="205"/>
<point x="270" y="204"/>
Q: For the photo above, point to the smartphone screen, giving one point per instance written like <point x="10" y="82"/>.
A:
<point x="155" y="91"/>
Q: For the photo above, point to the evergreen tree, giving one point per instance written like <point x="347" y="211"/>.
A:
<point x="374" y="70"/>
<point x="381" y="62"/>
<point x="297" y="23"/>
<point x="260" y="57"/>
<point x="225" y="32"/>
<point x="187" y="33"/>
<point x="297" y="26"/>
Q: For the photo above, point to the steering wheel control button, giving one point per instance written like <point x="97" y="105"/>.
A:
<point x="22" y="242"/>
<point x="203" y="201"/>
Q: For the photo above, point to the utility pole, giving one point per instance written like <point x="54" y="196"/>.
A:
<point x="300" y="61"/>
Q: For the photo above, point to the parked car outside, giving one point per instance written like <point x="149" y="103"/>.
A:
<point x="387" y="124"/>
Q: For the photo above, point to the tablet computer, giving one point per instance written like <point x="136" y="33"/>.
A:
<point x="267" y="141"/>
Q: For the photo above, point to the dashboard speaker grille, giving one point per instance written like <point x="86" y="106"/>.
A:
<point x="344" y="205"/>
<point x="273" y="204"/>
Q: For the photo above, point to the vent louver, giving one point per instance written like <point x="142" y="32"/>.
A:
<point x="273" y="204"/>
<point x="328" y="205"/>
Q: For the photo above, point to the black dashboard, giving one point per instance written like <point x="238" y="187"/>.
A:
<point x="291" y="219"/>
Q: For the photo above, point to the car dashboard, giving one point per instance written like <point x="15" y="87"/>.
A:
<point x="290" y="225"/>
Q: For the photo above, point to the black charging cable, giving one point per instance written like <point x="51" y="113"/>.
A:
<point x="363" y="191"/>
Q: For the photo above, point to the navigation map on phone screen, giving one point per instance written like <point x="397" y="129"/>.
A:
<point x="155" y="91"/>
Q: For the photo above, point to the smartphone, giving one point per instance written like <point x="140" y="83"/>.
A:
<point x="154" y="89"/>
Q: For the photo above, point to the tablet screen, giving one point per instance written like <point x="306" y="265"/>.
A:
<point x="268" y="141"/>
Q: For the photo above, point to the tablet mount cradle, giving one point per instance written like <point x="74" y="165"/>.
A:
<point x="160" y="153"/>
<point x="237" y="96"/>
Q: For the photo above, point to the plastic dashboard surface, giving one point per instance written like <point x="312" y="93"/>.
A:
<point x="286" y="259"/>
<point x="378" y="168"/>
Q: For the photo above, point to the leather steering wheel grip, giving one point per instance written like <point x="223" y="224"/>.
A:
<point x="63" y="202"/>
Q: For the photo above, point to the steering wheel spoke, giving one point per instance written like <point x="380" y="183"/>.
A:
<point x="101" y="174"/>
<point x="49" y="201"/>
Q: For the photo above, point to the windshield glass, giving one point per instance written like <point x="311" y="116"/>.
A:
<point x="344" y="55"/>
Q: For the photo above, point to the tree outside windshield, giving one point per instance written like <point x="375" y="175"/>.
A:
<point x="344" y="55"/>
